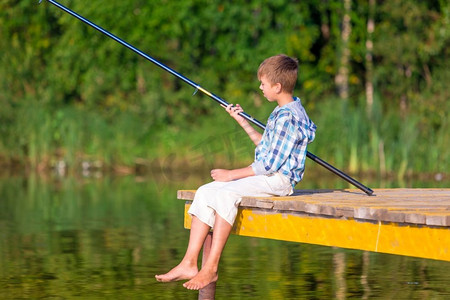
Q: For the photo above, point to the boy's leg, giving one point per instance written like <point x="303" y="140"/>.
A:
<point x="208" y="273"/>
<point x="225" y="205"/>
<point x="203" y="218"/>
<point x="187" y="268"/>
<point x="226" y="200"/>
<point x="200" y="206"/>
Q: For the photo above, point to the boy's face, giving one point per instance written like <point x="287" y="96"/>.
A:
<point x="270" y="91"/>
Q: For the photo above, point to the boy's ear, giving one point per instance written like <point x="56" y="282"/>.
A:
<point x="278" y="87"/>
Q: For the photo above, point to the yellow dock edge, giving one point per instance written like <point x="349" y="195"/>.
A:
<point x="392" y="238"/>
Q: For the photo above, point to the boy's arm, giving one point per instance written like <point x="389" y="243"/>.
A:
<point x="234" y="111"/>
<point x="229" y="175"/>
<point x="287" y="137"/>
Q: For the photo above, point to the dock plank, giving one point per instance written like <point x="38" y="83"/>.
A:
<point x="415" y="206"/>
<point x="412" y="222"/>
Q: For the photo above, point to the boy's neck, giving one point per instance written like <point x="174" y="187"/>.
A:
<point x="284" y="99"/>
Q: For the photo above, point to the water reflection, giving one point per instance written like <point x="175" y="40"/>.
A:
<point x="106" y="238"/>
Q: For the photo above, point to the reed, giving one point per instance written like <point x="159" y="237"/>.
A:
<point x="44" y="137"/>
<point x="382" y="142"/>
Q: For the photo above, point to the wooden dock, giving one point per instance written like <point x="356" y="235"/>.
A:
<point x="411" y="222"/>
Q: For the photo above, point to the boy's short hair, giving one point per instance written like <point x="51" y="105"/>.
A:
<point x="280" y="69"/>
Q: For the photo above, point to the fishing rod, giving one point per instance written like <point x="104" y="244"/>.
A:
<point x="197" y="87"/>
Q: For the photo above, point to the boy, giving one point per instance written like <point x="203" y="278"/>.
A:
<point x="279" y="164"/>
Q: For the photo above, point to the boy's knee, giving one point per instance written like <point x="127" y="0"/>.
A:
<point x="202" y="191"/>
<point x="208" y="189"/>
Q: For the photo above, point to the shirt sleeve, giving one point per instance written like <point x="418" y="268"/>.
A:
<point x="285" y="136"/>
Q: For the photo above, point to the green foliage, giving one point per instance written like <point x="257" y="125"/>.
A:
<point x="385" y="143"/>
<point x="70" y="93"/>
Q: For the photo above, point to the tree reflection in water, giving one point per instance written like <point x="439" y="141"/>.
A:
<point x="107" y="237"/>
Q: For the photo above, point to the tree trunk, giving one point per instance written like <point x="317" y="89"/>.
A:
<point x="341" y="78"/>
<point x="369" y="57"/>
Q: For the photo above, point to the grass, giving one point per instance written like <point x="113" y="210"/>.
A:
<point x="40" y="137"/>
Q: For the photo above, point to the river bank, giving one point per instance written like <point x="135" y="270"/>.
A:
<point x="75" y="140"/>
<point x="179" y="170"/>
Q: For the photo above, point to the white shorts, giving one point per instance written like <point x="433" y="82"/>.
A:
<point x="224" y="197"/>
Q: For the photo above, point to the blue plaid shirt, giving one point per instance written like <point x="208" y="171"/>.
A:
<point x="283" y="145"/>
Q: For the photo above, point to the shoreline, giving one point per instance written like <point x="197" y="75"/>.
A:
<point x="180" y="168"/>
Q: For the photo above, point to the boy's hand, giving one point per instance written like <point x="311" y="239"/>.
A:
<point x="234" y="112"/>
<point x="221" y="175"/>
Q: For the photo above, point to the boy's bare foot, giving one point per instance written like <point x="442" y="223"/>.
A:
<point x="202" y="279"/>
<point x="181" y="272"/>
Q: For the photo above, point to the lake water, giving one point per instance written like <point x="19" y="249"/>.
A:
<point x="105" y="238"/>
